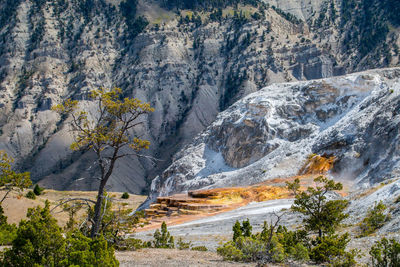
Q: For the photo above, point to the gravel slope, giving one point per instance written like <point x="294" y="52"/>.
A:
<point x="170" y="258"/>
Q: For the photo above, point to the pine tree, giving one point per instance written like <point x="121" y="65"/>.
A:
<point x="163" y="239"/>
<point x="38" y="241"/>
<point x="321" y="215"/>
<point x="237" y="231"/>
<point x="9" y="179"/>
<point x="246" y="228"/>
<point x="107" y="135"/>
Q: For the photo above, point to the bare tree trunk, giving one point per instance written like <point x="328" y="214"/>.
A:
<point x="1" y="202"/>
<point x="97" y="209"/>
<point x="105" y="175"/>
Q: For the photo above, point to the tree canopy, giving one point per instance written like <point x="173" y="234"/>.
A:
<point x="322" y="215"/>
<point x="9" y="179"/>
<point x="39" y="242"/>
<point x="108" y="133"/>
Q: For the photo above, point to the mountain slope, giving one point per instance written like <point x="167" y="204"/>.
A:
<point x="188" y="68"/>
<point x="274" y="132"/>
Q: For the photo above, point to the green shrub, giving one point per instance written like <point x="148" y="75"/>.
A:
<point x="38" y="190"/>
<point x="289" y="239"/>
<point x="163" y="239"/>
<point x="200" y="248"/>
<point x="259" y="247"/>
<point x="8" y="232"/>
<point x="237" y="231"/>
<point x="229" y="252"/>
<point x="125" y="195"/>
<point x="39" y="242"/>
<point x="242" y="230"/>
<point x="276" y="244"/>
<point x="277" y="252"/>
<point x="374" y="219"/>
<point x="385" y="253"/>
<point x="30" y="195"/>
<point x="131" y="244"/>
<point x="299" y="253"/>
<point x="84" y="251"/>
<point x="246" y="228"/>
<point x="252" y="248"/>
<point x="346" y="260"/>
<point x="331" y="249"/>
<point x="182" y="244"/>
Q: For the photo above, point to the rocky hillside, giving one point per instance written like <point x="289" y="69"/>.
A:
<point x="189" y="62"/>
<point x="282" y="129"/>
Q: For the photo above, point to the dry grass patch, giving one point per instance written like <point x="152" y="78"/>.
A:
<point x="16" y="205"/>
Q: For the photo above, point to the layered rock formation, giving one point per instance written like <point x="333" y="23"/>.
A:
<point x="53" y="50"/>
<point x="353" y="120"/>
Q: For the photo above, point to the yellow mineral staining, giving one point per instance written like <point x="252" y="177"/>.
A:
<point x="317" y="164"/>
<point x="181" y="208"/>
<point x="208" y="202"/>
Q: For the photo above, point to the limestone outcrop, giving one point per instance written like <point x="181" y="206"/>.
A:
<point x="353" y="121"/>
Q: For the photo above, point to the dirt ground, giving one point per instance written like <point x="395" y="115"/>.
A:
<point x="16" y="205"/>
<point x="172" y="258"/>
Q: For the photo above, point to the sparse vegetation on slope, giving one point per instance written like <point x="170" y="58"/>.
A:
<point x="38" y="190"/>
<point x="136" y="24"/>
<point x="30" y="195"/>
<point x="385" y="253"/>
<point x="72" y="46"/>
<point x="374" y="219"/>
<point x="277" y="244"/>
<point x="371" y="21"/>
<point x="206" y="4"/>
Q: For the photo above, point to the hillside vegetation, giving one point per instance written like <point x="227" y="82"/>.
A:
<point x="189" y="59"/>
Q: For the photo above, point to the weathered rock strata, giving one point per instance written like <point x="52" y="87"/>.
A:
<point x="270" y="133"/>
<point x="53" y="50"/>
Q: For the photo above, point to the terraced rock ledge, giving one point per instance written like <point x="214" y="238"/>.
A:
<point x="180" y="208"/>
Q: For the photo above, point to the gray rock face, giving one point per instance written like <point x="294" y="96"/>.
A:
<point x="50" y="51"/>
<point x="270" y="133"/>
<point x="302" y="9"/>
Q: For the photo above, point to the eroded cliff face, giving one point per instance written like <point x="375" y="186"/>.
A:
<point x="271" y="133"/>
<point x="53" y="50"/>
